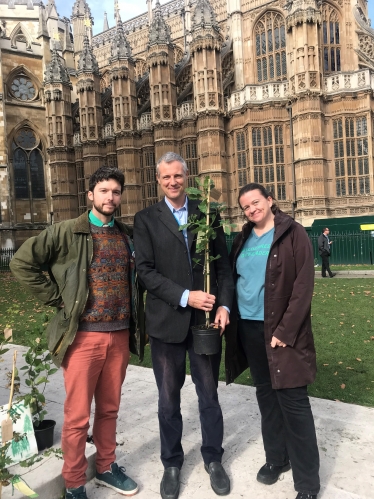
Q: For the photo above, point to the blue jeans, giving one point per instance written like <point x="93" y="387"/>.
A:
<point x="287" y="422"/>
<point x="169" y="367"/>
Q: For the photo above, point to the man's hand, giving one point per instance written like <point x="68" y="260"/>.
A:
<point x="201" y="300"/>
<point x="222" y="318"/>
<point x="276" y="343"/>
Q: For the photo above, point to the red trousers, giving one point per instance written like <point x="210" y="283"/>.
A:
<point x="94" y="366"/>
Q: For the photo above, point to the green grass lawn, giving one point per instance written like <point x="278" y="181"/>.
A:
<point x="342" y="324"/>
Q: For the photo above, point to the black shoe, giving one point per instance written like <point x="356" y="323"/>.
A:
<point x="333" y="274"/>
<point x="270" y="473"/>
<point x="219" y="480"/>
<point x="169" y="488"/>
<point x="304" y="495"/>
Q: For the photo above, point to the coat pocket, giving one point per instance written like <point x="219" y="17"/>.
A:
<point x="57" y="330"/>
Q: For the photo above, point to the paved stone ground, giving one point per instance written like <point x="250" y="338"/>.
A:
<point x="345" y="436"/>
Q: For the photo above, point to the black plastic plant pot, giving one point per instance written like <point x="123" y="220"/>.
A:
<point x="206" y="340"/>
<point x="44" y="434"/>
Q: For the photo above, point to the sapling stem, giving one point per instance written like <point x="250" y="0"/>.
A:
<point x="207" y="263"/>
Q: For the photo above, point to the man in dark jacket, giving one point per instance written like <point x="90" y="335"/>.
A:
<point x="175" y="301"/>
<point x="91" y="263"/>
<point x="324" y="251"/>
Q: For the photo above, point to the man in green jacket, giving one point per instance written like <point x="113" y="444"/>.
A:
<point x="91" y="266"/>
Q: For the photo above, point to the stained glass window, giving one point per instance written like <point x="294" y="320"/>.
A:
<point x="268" y="159"/>
<point x="23" y="88"/>
<point x="28" y="166"/>
<point x="331" y="40"/>
<point x="270" y="48"/>
<point x="351" y="161"/>
<point x="242" y="158"/>
<point x="21" y="182"/>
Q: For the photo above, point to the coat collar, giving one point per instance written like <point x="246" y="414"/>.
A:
<point x="167" y="218"/>
<point x="82" y="225"/>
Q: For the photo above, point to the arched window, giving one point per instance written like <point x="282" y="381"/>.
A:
<point x="28" y="172"/>
<point x="271" y="48"/>
<point x="331" y="47"/>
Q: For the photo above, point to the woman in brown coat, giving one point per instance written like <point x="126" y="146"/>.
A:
<point x="273" y="266"/>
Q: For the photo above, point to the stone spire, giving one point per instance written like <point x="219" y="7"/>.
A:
<point x="106" y="24"/>
<point x="80" y="7"/>
<point x="56" y="71"/>
<point x="159" y="31"/>
<point x="205" y="28"/>
<point x="116" y="12"/>
<point x="51" y="9"/>
<point x="87" y="61"/>
<point x="204" y="15"/>
<point x="120" y="46"/>
<point x="43" y="30"/>
<point x="67" y="43"/>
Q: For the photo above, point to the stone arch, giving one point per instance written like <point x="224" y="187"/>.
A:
<point x="39" y="134"/>
<point x="28" y="173"/>
<point x="20" y="33"/>
<point x="178" y="54"/>
<point x="22" y="72"/>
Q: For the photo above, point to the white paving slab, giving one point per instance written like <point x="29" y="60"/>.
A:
<point x="345" y="435"/>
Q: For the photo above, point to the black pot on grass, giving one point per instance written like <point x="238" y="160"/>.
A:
<point x="44" y="434"/>
<point x="206" y="339"/>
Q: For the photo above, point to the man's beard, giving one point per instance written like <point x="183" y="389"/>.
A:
<point x="100" y="210"/>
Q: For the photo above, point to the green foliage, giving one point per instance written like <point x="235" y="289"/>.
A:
<point x="38" y="369"/>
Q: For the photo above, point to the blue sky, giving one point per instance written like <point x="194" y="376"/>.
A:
<point x="128" y="9"/>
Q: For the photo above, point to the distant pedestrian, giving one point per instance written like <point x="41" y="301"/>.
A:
<point x="324" y="250"/>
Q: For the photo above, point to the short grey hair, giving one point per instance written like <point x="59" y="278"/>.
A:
<point x="169" y="157"/>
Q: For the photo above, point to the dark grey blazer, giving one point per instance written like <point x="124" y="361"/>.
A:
<point x="164" y="270"/>
<point x="323" y="245"/>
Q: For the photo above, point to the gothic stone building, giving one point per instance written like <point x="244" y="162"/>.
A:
<point x="277" y="92"/>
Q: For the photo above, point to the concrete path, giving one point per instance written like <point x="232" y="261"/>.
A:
<point x="345" y="436"/>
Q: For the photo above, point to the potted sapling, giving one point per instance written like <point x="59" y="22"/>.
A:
<point x="206" y="337"/>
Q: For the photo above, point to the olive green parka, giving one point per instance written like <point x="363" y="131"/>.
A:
<point x="65" y="250"/>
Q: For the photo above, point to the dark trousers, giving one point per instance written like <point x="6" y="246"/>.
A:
<point x="287" y="423"/>
<point x="169" y="367"/>
<point x="325" y="264"/>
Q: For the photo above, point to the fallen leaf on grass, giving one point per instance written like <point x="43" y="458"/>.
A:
<point x="358" y="359"/>
<point x="340" y="362"/>
<point x="335" y="373"/>
<point x="331" y="342"/>
<point x="342" y="386"/>
<point x="367" y="292"/>
<point x="350" y="368"/>
<point x="325" y="364"/>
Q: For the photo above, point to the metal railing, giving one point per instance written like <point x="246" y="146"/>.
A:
<point x="6" y="255"/>
<point x="347" y="248"/>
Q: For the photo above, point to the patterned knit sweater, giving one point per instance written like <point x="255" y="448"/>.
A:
<point x="108" y="305"/>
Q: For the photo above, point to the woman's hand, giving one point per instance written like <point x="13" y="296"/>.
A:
<point x="276" y="343"/>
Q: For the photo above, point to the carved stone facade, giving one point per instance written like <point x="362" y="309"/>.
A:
<point x="231" y="85"/>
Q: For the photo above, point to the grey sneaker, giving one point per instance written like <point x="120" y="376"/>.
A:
<point x="78" y="493"/>
<point x="117" y="480"/>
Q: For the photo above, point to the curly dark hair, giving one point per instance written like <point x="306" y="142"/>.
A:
<point x="106" y="173"/>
